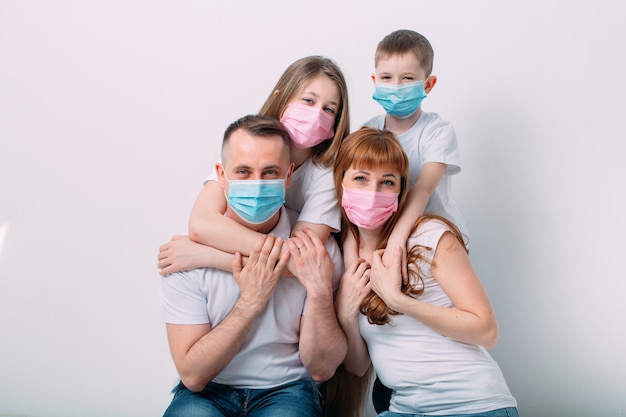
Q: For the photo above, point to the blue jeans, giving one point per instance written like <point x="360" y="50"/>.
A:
<point x="296" y="399"/>
<point x="501" y="412"/>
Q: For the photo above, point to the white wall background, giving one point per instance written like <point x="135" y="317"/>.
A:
<point x="110" y="114"/>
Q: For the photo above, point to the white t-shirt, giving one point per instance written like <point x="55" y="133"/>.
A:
<point x="430" y="373"/>
<point x="269" y="356"/>
<point x="311" y="194"/>
<point x="432" y="139"/>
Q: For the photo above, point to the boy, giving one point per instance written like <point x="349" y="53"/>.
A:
<point x="403" y="65"/>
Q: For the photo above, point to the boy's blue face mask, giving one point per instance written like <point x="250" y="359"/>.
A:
<point x="402" y="100"/>
<point x="256" y="201"/>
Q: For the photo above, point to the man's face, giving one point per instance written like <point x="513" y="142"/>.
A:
<point x="247" y="157"/>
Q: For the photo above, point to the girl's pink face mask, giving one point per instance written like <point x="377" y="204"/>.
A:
<point x="368" y="209"/>
<point x="308" y="126"/>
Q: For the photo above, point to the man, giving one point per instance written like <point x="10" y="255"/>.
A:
<point x="250" y="342"/>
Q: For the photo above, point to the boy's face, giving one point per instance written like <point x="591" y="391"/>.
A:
<point x="399" y="69"/>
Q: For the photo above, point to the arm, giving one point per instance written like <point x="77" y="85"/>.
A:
<point x="417" y="199"/>
<point x="353" y="289"/>
<point x="472" y="321"/>
<point x="183" y="254"/>
<point x="322" y="342"/>
<point x="209" y="226"/>
<point x="201" y="352"/>
<point x="350" y="250"/>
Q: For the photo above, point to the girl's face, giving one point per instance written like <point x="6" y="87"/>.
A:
<point x="322" y="93"/>
<point x="382" y="179"/>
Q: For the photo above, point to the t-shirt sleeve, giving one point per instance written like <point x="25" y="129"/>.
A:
<point x="440" y="145"/>
<point x="184" y="302"/>
<point x="320" y="200"/>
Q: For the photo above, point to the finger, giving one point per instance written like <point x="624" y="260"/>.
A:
<point x="275" y="252"/>
<point x="254" y="255"/>
<point x="280" y="265"/>
<point x="266" y="248"/>
<point x="236" y="264"/>
<point x="294" y="249"/>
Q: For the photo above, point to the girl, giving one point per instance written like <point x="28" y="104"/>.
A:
<point x="311" y="100"/>
<point x="426" y="339"/>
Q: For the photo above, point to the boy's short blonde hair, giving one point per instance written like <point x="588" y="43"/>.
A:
<point x="404" y="41"/>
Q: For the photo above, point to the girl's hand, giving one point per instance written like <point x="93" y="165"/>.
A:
<point x="353" y="289"/>
<point x="182" y="254"/>
<point x="386" y="281"/>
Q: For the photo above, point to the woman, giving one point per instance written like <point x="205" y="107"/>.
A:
<point x="426" y="339"/>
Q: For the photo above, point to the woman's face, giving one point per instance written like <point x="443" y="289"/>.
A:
<point x="322" y="93"/>
<point x="383" y="179"/>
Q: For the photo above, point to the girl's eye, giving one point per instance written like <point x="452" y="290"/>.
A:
<point x="308" y="101"/>
<point x="329" y="110"/>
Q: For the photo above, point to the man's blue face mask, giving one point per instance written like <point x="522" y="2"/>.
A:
<point x="256" y="201"/>
<point x="402" y="100"/>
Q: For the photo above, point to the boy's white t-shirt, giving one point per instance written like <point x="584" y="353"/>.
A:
<point x="311" y="194"/>
<point x="432" y="139"/>
<point x="431" y="373"/>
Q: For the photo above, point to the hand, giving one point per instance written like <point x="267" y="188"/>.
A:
<point x="181" y="254"/>
<point x="353" y="289"/>
<point x="386" y="281"/>
<point x="311" y="262"/>
<point x="258" y="279"/>
<point x="393" y="244"/>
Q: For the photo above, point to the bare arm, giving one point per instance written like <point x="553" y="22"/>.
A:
<point x="417" y="199"/>
<point x="183" y="254"/>
<point x="353" y="289"/>
<point x="199" y="352"/>
<point x="472" y="321"/>
<point x="209" y="226"/>
<point x="322" y="342"/>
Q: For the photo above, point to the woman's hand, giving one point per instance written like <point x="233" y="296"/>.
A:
<point x="353" y="289"/>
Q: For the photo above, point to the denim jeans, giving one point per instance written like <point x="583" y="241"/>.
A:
<point x="296" y="399"/>
<point x="501" y="412"/>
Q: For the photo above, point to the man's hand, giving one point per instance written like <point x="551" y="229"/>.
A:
<point x="312" y="265"/>
<point x="258" y="279"/>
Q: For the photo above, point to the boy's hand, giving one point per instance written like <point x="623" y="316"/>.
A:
<point x="394" y="244"/>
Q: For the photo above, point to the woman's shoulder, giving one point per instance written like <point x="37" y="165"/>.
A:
<point x="428" y="233"/>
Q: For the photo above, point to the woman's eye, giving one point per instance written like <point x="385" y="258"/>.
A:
<point x="388" y="183"/>
<point x="360" y="178"/>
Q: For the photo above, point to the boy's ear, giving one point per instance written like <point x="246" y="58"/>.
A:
<point x="430" y="83"/>
<point x="374" y="78"/>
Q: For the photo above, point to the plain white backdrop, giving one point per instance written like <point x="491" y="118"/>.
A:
<point x="111" y="113"/>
